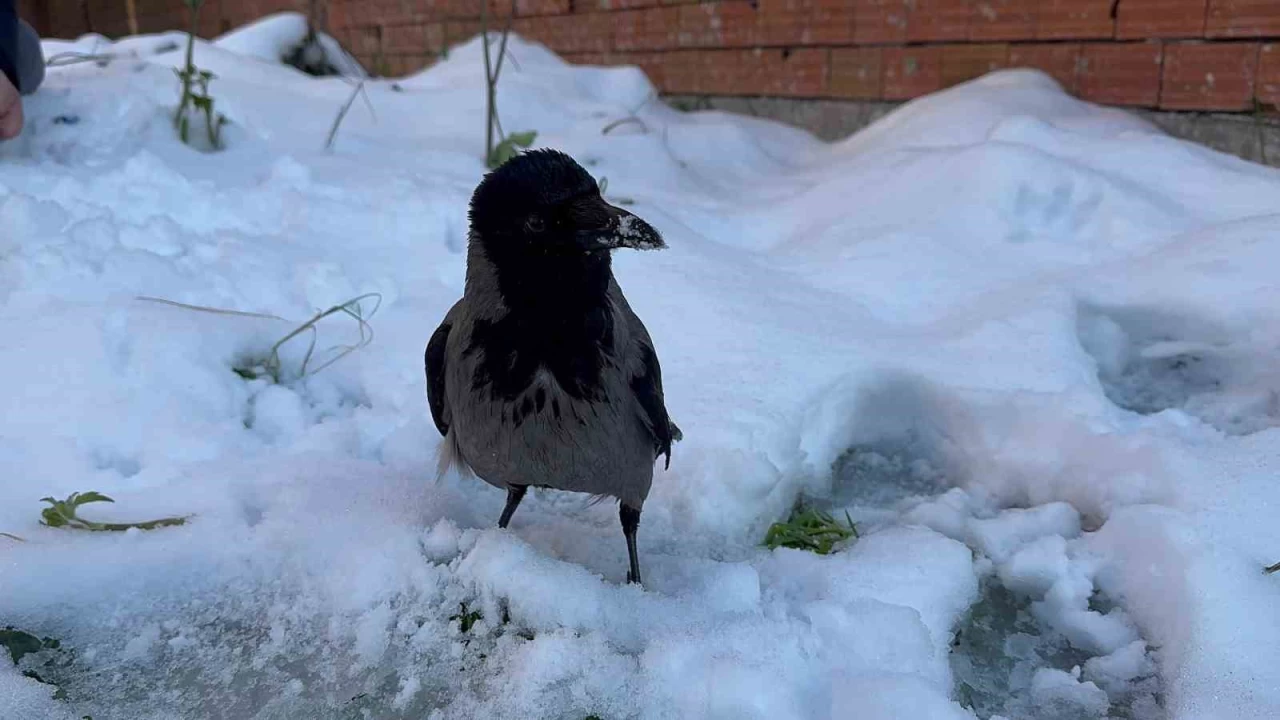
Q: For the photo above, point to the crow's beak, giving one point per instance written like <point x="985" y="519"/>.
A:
<point x="616" y="228"/>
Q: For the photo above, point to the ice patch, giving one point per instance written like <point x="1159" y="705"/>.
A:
<point x="1150" y="362"/>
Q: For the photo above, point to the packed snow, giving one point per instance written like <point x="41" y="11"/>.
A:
<point x="1029" y="344"/>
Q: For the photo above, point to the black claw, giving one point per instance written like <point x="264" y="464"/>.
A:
<point x="515" y="493"/>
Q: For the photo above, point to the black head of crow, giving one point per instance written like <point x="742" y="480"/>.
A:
<point x="541" y="374"/>
<point x="545" y="203"/>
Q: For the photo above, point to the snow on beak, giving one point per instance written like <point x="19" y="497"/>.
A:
<point x="620" y="229"/>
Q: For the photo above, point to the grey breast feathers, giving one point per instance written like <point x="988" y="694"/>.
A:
<point x="603" y="446"/>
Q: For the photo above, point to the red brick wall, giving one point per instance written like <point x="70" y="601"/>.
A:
<point x="1172" y="54"/>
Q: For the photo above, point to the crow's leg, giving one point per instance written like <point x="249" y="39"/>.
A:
<point x="515" y="493"/>
<point x="630" y="521"/>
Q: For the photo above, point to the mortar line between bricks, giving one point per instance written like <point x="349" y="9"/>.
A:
<point x="1160" y="85"/>
<point x="1253" y="86"/>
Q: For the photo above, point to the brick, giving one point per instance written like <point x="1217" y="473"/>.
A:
<point x="720" y="25"/>
<point x="652" y="64"/>
<point x="1209" y="76"/>
<point x="680" y="71"/>
<point x="590" y="58"/>
<point x="1243" y="18"/>
<point x="340" y="15"/>
<point x="938" y="20"/>
<point x="622" y="4"/>
<point x="534" y="29"/>
<point x="1160" y="18"/>
<point x="833" y="22"/>
<point x="879" y="21"/>
<point x="543" y="7"/>
<point x="1070" y="19"/>
<point x="499" y="11"/>
<point x="1059" y="60"/>
<point x="404" y="38"/>
<point x="393" y="12"/>
<point x="178" y="19"/>
<point x="727" y="72"/>
<point x="762" y="71"/>
<point x="460" y="31"/>
<point x="911" y="71"/>
<point x="796" y="73"/>
<point x="1268" y="85"/>
<point x="1120" y="73"/>
<point x="568" y="33"/>
<point x="961" y="63"/>
<point x="365" y="40"/>
<point x="436" y="40"/>
<point x="856" y="73"/>
<point x="724" y="72"/>
<point x="578" y="33"/>
<point x="649" y="29"/>
<point x="1003" y="19"/>
<point x="401" y="65"/>
<point x="784" y="22"/>
<point x="441" y="9"/>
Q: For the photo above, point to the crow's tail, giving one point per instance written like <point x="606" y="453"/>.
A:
<point x="450" y="456"/>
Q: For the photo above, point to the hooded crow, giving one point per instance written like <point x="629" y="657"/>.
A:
<point x="541" y="375"/>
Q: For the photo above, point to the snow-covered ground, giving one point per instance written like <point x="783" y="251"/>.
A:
<point x="1030" y="344"/>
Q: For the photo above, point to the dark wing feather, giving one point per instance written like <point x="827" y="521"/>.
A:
<point x="647" y="386"/>
<point x="434" y="360"/>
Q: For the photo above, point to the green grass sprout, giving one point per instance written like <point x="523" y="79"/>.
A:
<point x="810" y="529"/>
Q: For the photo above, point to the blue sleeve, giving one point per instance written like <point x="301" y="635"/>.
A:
<point x="9" y="41"/>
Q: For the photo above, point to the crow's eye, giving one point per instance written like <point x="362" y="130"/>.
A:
<point x="535" y="223"/>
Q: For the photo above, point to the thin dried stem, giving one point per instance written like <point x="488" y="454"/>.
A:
<point x="342" y="114"/>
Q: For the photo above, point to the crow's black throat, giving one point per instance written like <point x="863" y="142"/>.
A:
<point x="558" y="318"/>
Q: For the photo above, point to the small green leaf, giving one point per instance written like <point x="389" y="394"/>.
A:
<point x="91" y="497"/>
<point x="466" y="619"/>
<point x="52" y="517"/>
<point x="523" y="139"/>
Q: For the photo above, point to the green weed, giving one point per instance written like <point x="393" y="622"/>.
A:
<point x="499" y="147"/>
<point x="62" y="513"/>
<point x="810" y="529"/>
<point x="195" y="90"/>
<point x="509" y="147"/>
<point x="466" y="617"/>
